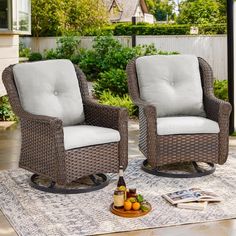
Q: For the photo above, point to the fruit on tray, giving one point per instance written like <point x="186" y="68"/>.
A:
<point x="136" y="203"/>
<point x="136" y="206"/>
<point x="127" y="205"/>
<point x="129" y="200"/>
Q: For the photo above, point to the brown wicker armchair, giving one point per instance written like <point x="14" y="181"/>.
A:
<point x="200" y="150"/>
<point x="48" y="149"/>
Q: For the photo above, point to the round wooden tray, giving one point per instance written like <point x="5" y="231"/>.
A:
<point x="129" y="214"/>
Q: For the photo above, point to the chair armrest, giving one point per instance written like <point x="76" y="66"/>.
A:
<point x="148" y="130"/>
<point x="148" y="110"/>
<point x="42" y="137"/>
<point x="103" y="115"/>
<point x="217" y="109"/>
<point x="53" y="122"/>
<point x="110" y="117"/>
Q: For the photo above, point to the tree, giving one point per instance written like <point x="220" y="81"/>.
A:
<point x="151" y="5"/>
<point x="163" y="10"/>
<point x="223" y="10"/>
<point x="48" y="17"/>
<point x="56" y="17"/>
<point x="199" y="12"/>
<point x="86" y="14"/>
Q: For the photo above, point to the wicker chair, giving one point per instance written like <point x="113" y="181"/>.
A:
<point x="65" y="135"/>
<point x="161" y="139"/>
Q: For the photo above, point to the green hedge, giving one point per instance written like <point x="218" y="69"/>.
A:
<point x="157" y="29"/>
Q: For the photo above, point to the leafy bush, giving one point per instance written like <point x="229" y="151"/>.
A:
<point x="67" y="46"/>
<point x="88" y="63"/>
<point x="35" y="56"/>
<point x="107" y="62"/>
<point x="107" y="98"/>
<point x="108" y="53"/>
<point x="24" y="51"/>
<point x="50" y="54"/>
<point x="6" y="113"/>
<point x="145" y="50"/>
<point x="221" y="89"/>
<point x="114" y="80"/>
<point x="117" y="58"/>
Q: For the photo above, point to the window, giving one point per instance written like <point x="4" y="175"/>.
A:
<point x="4" y="14"/>
<point x="15" y="16"/>
<point x="21" y="15"/>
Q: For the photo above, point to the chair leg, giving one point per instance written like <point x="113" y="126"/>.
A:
<point x="99" y="181"/>
<point x="197" y="170"/>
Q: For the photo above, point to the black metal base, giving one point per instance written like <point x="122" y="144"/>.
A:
<point x="194" y="170"/>
<point x="88" y="184"/>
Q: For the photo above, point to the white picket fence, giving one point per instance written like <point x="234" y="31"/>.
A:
<point x="212" y="48"/>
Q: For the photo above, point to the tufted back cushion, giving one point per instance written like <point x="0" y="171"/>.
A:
<point x="172" y="84"/>
<point x="50" y="88"/>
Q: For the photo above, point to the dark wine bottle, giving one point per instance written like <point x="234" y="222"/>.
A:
<point x="121" y="181"/>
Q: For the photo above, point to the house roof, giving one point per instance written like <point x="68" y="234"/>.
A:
<point x="128" y="7"/>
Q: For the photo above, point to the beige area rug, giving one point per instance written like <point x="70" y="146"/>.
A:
<point x="32" y="212"/>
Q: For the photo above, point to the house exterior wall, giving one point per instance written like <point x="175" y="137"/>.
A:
<point x="148" y="18"/>
<point x="138" y="12"/>
<point x="143" y="17"/>
<point x="9" y="54"/>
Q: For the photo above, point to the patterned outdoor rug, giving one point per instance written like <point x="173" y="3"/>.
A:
<point x="32" y="212"/>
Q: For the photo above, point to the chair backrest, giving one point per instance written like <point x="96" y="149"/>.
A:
<point x="171" y="83"/>
<point x="50" y="88"/>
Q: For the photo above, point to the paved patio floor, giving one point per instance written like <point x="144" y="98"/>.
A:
<point x="9" y="153"/>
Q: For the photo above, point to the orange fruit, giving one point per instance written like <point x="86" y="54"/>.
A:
<point x="136" y="206"/>
<point x="127" y="205"/>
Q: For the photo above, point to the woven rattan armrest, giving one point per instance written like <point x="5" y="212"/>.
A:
<point x="219" y="111"/>
<point x="103" y="115"/>
<point x="216" y="109"/>
<point x="110" y="117"/>
<point x="52" y="121"/>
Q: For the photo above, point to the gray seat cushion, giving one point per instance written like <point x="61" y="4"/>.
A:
<point x="87" y="135"/>
<point x="186" y="125"/>
<point x="172" y="84"/>
<point x="50" y="88"/>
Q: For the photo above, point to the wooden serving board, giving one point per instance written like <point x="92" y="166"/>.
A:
<point x="129" y="214"/>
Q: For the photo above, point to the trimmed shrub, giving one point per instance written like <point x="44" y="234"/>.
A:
<point x="158" y="29"/>
<point x="107" y="98"/>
